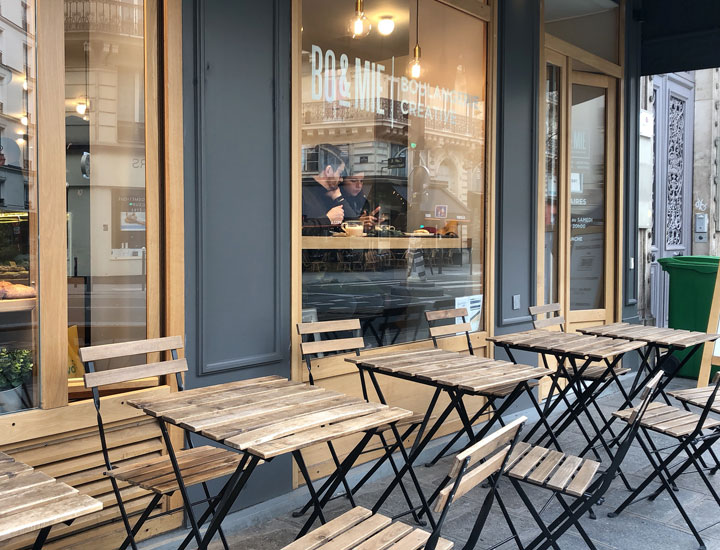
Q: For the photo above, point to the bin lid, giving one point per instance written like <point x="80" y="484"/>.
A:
<point x="701" y="264"/>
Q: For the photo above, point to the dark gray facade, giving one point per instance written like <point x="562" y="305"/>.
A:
<point x="236" y="59"/>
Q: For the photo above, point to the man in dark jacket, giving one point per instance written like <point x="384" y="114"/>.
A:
<point x="322" y="201"/>
<point x="356" y="205"/>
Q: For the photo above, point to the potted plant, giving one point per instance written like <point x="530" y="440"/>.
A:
<point x="16" y="366"/>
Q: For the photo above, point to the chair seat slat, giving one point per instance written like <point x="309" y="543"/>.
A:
<point x="331" y="529"/>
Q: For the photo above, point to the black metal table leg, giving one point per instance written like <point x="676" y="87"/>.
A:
<point x="235" y="484"/>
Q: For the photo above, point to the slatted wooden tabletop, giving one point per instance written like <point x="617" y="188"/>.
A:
<point x="269" y="416"/>
<point x="677" y="338"/>
<point x="31" y="500"/>
<point x="470" y="374"/>
<point x="571" y="343"/>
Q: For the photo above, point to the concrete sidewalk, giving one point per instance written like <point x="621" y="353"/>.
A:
<point x="644" y="525"/>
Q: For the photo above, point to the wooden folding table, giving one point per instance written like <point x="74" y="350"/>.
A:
<point x="267" y="417"/>
<point x="458" y="376"/>
<point x="31" y="500"/>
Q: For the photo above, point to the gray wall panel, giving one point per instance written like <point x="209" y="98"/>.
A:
<point x="517" y="160"/>
<point x="236" y="60"/>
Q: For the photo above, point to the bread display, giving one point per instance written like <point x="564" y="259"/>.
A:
<point x="12" y="291"/>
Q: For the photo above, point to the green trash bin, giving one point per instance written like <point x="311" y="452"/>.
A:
<point x="692" y="282"/>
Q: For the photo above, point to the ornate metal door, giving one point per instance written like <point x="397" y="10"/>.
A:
<point x="674" y="96"/>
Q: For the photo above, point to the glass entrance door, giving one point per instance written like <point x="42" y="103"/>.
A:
<point x="591" y="185"/>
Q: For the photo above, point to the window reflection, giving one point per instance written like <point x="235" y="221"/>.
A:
<point x="393" y="168"/>
<point x="552" y="177"/>
<point x="105" y="170"/>
<point x="587" y="198"/>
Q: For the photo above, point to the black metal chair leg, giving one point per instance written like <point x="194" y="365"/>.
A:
<point x="480" y="521"/>
<point x="408" y="500"/>
<point x="509" y="522"/>
<point x="123" y="512"/>
<point x="530" y="508"/>
<point x="297" y="455"/>
<point x="656" y="472"/>
<point x="576" y="523"/>
<point x="203" y="518"/>
<point x="345" y="467"/>
<point x="181" y="484"/>
<point x="682" y="511"/>
<point x="138" y="524"/>
<point x="336" y="461"/>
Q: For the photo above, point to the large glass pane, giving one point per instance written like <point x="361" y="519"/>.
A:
<point x="18" y="208"/>
<point x="552" y="177"/>
<point x="105" y="166"/>
<point x="587" y="198"/>
<point x="393" y="165"/>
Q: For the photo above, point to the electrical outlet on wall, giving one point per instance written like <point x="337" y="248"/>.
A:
<point x="516" y="301"/>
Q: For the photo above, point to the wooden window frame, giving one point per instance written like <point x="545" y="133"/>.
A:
<point x="335" y="365"/>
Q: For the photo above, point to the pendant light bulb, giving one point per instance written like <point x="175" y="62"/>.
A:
<point x="360" y="25"/>
<point x="415" y="67"/>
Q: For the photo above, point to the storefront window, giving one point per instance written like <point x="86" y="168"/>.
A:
<point x="18" y="209"/>
<point x="393" y="165"/>
<point x="105" y="170"/>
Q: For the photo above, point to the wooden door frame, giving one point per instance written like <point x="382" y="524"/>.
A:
<point x="561" y="53"/>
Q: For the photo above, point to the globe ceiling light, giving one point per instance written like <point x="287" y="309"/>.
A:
<point x="386" y="25"/>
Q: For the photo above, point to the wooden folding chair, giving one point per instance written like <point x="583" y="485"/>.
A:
<point x="570" y="476"/>
<point x="157" y="473"/>
<point x="592" y="381"/>
<point x="311" y="349"/>
<point x="694" y="435"/>
<point x="363" y="529"/>
<point x="592" y="372"/>
<point x="439" y="328"/>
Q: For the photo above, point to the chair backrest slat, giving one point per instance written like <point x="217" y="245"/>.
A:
<point x="552" y="320"/>
<point x="549" y="322"/>
<point x="339" y="344"/>
<point x="486" y="446"/>
<point x="319" y="327"/>
<point x="473" y="478"/>
<point x="128" y="374"/>
<point x="448" y="330"/>
<point x="127" y="349"/>
<point x="493" y="449"/>
<point x="446" y="314"/>
<point x="444" y="330"/>
<point x="546" y="308"/>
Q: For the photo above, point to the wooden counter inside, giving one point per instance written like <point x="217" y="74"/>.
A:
<point x="380" y="243"/>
